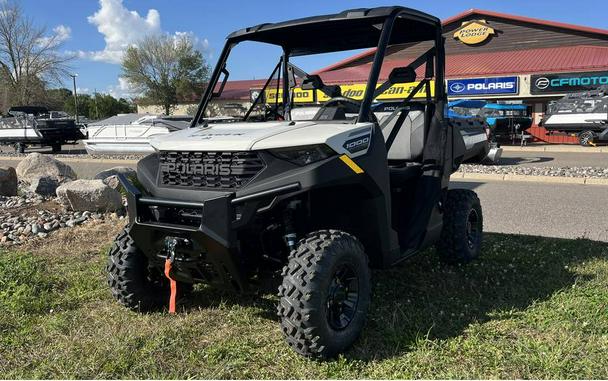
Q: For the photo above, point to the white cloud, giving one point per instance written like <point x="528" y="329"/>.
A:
<point x="121" y="28"/>
<point x="61" y="33"/>
<point x="122" y="90"/>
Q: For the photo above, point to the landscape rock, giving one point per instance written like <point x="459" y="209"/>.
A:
<point x="89" y="195"/>
<point x="36" y="165"/>
<point x="126" y="171"/>
<point x="45" y="185"/>
<point x="8" y="181"/>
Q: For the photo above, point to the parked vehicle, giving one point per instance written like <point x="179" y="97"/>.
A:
<point x="35" y="125"/>
<point x="130" y="133"/>
<point x="584" y="114"/>
<point x="323" y="199"/>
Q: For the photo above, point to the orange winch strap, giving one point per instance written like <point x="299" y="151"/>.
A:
<point x="173" y="286"/>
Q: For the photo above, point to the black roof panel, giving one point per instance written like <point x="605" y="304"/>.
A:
<point x="351" y="29"/>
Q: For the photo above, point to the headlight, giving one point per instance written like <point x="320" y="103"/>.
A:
<point x="303" y="155"/>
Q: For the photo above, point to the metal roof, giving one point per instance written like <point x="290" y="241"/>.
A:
<point x="545" y="60"/>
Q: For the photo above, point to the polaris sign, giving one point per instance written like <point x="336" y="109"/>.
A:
<point x="483" y="86"/>
<point x="567" y="82"/>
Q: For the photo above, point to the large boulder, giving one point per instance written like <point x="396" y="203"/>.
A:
<point x="45" y="185"/>
<point x="8" y="181"/>
<point x="36" y="165"/>
<point x="89" y="195"/>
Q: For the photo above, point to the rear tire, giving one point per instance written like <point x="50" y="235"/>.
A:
<point x="55" y="148"/>
<point x="20" y="148"/>
<point x="325" y="294"/>
<point x="462" y="231"/>
<point x="132" y="283"/>
<point x="585" y="138"/>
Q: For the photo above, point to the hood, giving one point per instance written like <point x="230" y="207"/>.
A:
<point x="224" y="136"/>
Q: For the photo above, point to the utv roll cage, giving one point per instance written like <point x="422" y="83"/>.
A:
<point x="367" y="28"/>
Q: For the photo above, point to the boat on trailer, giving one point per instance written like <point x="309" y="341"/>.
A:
<point x="584" y="114"/>
<point x="35" y="125"/>
<point x="130" y="133"/>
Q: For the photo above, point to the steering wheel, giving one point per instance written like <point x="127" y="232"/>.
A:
<point x="351" y="106"/>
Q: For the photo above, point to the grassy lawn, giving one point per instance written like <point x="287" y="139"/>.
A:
<point x="531" y="308"/>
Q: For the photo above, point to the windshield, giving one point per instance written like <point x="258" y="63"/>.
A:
<point x="254" y="92"/>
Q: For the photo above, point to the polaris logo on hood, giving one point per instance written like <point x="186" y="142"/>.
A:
<point x="196" y="169"/>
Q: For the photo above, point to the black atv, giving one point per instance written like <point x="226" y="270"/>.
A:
<point x="324" y="199"/>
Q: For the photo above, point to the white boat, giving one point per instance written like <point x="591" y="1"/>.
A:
<point x="130" y="133"/>
<point x="578" y="112"/>
<point x="35" y="125"/>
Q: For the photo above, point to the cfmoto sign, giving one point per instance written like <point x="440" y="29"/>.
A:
<point x="567" y="82"/>
<point x="542" y="83"/>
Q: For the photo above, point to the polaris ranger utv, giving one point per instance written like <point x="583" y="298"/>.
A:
<point x="323" y="199"/>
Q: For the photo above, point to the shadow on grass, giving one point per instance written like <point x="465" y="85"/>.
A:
<point x="425" y="298"/>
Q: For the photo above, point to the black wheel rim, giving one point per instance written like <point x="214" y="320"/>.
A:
<point x="343" y="297"/>
<point x="473" y="229"/>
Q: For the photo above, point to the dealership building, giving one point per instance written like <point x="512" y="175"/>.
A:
<point x="493" y="56"/>
<point x="501" y="57"/>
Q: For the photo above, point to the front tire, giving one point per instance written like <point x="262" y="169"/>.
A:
<point x="131" y="281"/>
<point x="462" y="231"/>
<point x="325" y="294"/>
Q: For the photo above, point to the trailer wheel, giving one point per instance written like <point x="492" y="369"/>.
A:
<point x="20" y="147"/>
<point x="325" y="294"/>
<point x="131" y="281"/>
<point x="462" y="231"/>
<point x="55" y="148"/>
<point x="585" y="138"/>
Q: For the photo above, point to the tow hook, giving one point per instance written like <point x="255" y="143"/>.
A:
<point x="171" y="243"/>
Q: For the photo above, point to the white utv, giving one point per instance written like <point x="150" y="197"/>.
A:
<point x="324" y="199"/>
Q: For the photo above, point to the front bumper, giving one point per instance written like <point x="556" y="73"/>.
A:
<point x="212" y="253"/>
<point x="210" y="227"/>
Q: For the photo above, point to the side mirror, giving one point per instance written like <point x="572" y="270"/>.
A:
<point x="292" y="77"/>
<point x="402" y="75"/>
<point x="223" y="83"/>
<point x="312" y="82"/>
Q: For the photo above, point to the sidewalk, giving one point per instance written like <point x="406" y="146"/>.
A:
<point x="555" y="148"/>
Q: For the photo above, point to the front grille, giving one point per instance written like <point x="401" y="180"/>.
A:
<point x="211" y="170"/>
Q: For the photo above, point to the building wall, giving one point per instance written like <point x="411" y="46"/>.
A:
<point x="217" y="107"/>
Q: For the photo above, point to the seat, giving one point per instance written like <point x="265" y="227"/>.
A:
<point x="406" y="145"/>
<point x="408" y="142"/>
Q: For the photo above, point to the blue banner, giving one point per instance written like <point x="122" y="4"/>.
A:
<point x="483" y="86"/>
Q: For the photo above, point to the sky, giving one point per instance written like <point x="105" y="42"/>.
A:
<point x="97" y="32"/>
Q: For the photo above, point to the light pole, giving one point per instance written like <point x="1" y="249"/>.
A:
<point x="75" y="96"/>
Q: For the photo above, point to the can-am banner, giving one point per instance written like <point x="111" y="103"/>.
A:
<point x="483" y="86"/>
<point x="354" y="91"/>
<point x="567" y="82"/>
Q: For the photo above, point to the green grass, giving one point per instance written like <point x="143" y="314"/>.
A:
<point x="531" y="308"/>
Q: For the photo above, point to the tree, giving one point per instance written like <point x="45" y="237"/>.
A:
<point x="165" y="69"/>
<point x="29" y="57"/>
<point x="97" y="106"/>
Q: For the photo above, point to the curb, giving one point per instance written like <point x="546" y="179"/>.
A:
<point x="528" y="178"/>
<point x="557" y="149"/>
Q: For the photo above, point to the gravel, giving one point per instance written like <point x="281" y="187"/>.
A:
<point x="23" y="217"/>
<point x="589" y="172"/>
<point x="80" y="156"/>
